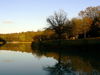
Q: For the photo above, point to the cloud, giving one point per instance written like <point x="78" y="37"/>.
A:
<point x="7" y="61"/>
<point x="8" y="22"/>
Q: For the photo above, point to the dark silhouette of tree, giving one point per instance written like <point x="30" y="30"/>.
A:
<point x="60" y="68"/>
<point x="58" y="23"/>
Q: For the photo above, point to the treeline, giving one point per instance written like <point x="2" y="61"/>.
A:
<point x="20" y="37"/>
<point x="86" y="25"/>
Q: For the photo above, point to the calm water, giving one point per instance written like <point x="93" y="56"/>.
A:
<point x="21" y="59"/>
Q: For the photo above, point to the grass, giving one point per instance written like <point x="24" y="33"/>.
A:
<point x="65" y="44"/>
<point x="73" y="42"/>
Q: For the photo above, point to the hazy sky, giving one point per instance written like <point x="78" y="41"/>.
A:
<point x="28" y="15"/>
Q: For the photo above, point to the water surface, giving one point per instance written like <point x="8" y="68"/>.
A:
<point x="20" y="59"/>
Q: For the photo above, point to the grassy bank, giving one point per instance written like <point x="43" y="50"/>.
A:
<point x="73" y="42"/>
<point x="65" y="44"/>
<point x="83" y="47"/>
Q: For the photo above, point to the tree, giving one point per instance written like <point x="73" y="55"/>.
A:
<point x="91" y="12"/>
<point x="94" y="14"/>
<point x="86" y="22"/>
<point x="77" y="27"/>
<point x="57" y="22"/>
<point x="49" y="33"/>
<point x="68" y="28"/>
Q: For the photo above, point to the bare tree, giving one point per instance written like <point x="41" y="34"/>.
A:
<point x="57" y="22"/>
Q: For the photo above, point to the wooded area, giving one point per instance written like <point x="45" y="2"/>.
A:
<point x="87" y="25"/>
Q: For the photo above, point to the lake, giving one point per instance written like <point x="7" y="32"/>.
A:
<point x="22" y="59"/>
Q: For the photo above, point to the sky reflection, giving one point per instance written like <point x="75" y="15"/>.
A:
<point x="18" y="63"/>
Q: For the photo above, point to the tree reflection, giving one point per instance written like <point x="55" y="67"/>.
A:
<point x="60" y="68"/>
<point x="22" y="47"/>
<point x="2" y="42"/>
<point x="69" y="62"/>
<point x="72" y="62"/>
<point x="68" y="65"/>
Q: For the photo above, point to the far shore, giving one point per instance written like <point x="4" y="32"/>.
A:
<point x="17" y="42"/>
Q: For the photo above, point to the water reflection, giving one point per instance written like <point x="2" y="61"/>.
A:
<point x="22" y="63"/>
<point x="22" y="47"/>
<point x="23" y="59"/>
<point x="2" y="42"/>
<point x="71" y="65"/>
<point x="80" y="61"/>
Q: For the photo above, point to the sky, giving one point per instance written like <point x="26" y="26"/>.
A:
<point x="30" y="15"/>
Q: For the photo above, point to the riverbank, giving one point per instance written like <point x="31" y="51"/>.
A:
<point x="65" y="44"/>
<point x="17" y="42"/>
